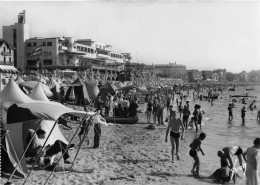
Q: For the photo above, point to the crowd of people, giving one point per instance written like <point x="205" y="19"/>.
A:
<point x="164" y="101"/>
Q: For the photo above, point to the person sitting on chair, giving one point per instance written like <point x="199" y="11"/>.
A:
<point x="49" y="150"/>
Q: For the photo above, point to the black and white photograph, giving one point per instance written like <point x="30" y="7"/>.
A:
<point x="149" y="92"/>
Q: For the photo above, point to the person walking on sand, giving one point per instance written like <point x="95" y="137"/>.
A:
<point x="195" y="146"/>
<point x="196" y="116"/>
<point x="174" y="124"/>
<point x="258" y="115"/>
<point x="243" y="114"/>
<point x="230" y="111"/>
<point x="252" y="158"/>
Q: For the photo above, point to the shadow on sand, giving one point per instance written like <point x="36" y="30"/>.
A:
<point x="164" y="174"/>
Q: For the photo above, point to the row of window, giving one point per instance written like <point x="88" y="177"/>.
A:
<point x="7" y="58"/>
<point x="34" y="62"/>
<point x="34" y="44"/>
<point x="85" y="49"/>
<point x="116" y="56"/>
<point x="5" y="49"/>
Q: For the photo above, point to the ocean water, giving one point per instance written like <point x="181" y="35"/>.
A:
<point x="220" y="131"/>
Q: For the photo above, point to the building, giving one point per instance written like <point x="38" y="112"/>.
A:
<point x="60" y="53"/>
<point x="207" y="75"/>
<point x="194" y="75"/>
<point x="16" y="35"/>
<point x="171" y="70"/>
<point x="222" y="74"/>
<point x="6" y="53"/>
<point x="243" y="76"/>
<point x="215" y="77"/>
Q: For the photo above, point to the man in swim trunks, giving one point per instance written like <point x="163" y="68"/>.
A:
<point x="228" y="153"/>
<point x="175" y="124"/>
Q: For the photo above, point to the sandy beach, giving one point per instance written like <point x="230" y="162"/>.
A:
<point x="131" y="154"/>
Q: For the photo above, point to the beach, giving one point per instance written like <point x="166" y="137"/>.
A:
<point x="133" y="154"/>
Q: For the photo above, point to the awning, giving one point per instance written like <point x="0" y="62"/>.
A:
<point x="8" y="69"/>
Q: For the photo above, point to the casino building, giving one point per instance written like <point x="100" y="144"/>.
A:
<point x="60" y="53"/>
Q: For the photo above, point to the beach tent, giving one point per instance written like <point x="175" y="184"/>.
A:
<point x="19" y="80"/>
<point x="126" y="88"/>
<point x="38" y="93"/>
<point x="92" y="89"/>
<point x="19" y="121"/>
<point x="107" y="87"/>
<point x="54" y="86"/>
<point x="80" y="91"/>
<point x="45" y="110"/>
<point x="119" y="84"/>
<point x="31" y="84"/>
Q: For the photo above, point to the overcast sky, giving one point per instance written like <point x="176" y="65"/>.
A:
<point x="200" y="35"/>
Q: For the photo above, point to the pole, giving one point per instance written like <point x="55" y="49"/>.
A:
<point x="67" y="147"/>
<point x="23" y="153"/>
<point x="40" y="151"/>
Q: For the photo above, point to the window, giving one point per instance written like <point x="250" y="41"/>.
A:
<point x="43" y="43"/>
<point x="31" y="62"/>
<point x="34" y="44"/>
<point x="29" y="44"/>
<point x="4" y="48"/>
<point x="10" y="59"/>
<point x="47" y="62"/>
<point x="49" y="43"/>
<point x="4" y="59"/>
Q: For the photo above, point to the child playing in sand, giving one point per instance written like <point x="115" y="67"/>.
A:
<point x="195" y="146"/>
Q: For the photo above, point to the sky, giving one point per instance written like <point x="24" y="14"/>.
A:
<point x="201" y="35"/>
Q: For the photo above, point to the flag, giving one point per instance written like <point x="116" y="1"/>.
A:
<point x="36" y="51"/>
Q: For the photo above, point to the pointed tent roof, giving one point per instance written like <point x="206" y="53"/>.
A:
<point x="92" y="89"/>
<point x="38" y="93"/>
<point x="119" y="84"/>
<point x="32" y="84"/>
<point x="13" y="93"/>
<point x="19" y="80"/>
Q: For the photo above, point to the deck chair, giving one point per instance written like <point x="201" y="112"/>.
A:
<point x="32" y="153"/>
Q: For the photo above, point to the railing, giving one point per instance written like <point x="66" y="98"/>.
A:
<point x="4" y="53"/>
<point x="63" y="48"/>
<point x="6" y="63"/>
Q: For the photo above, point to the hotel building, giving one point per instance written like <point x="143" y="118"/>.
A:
<point x="16" y="35"/>
<point x="171" y="70"/>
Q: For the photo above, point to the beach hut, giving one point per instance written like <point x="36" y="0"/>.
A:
<point x="80" y="91"/>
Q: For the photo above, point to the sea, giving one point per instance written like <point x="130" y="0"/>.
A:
<point x="220" y="131"/>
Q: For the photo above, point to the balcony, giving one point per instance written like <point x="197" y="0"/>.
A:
<point x="6" y="63"/>
<point x="4" y="53"/>
<point x="63" y="48"/>
<point x="102" y="56"/>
